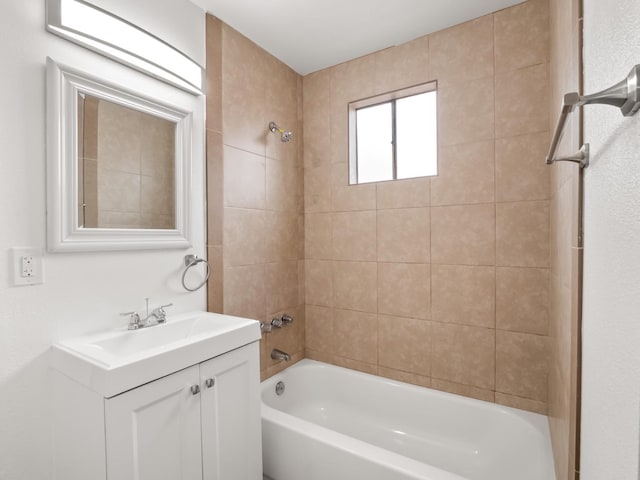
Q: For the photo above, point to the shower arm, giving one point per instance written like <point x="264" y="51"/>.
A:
<point x="625" y="95"/>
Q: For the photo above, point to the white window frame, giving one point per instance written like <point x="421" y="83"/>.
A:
<point x="370" y="102"/>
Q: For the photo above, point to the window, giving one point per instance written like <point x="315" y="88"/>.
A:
<point x="394" y="136"/>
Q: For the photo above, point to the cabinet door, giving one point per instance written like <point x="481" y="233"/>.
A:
<point x="231" y="433"/>
<point x="153" y="431"/>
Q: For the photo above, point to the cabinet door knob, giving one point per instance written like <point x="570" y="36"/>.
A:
<point x="210" y="382"/>
<point x="195" y="389"/>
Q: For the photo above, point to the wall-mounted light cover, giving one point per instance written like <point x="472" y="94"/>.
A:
<point x="120" y="40"/>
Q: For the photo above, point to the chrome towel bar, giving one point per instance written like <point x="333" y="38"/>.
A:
<point x="625" y="95"/>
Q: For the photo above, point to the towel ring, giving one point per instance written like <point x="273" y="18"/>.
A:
<point x="190" y="261"/>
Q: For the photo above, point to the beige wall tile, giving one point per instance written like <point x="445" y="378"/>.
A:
<point x="244" y="179"/>
<point x="319" y="356"/>
<point x="465" y="174"/>
<point x="282" y="186"/>
<point x="351" y="81"/>
<point x="355" y="365"/>
<point x="521" y="173"/>
<point x="522" y="35"/>
<point x="356" y="335"/>
<point x="411" y="192"/>
<point x="462" y="52"/>
<point x="244" y="234"/>
<point x="522" y="101"/>
<point x="317" y="236"/>
<point x="463" y="235"/>
<point x="406" y="377"/>
<point x="521" y="403"/>
<point x="403" y="235"/>
<point x="463" y="294"/>
<point x="354" y="286"/>
<point x="301" y="282"/>
<point x="281" y="239"/>
<point x="215" y="187"/>
<point x="464" y="355"/>
<point x="455" y="102"/>
<point x="215" y="283"/>
<point x="404" y="289"/>
<point x="464" y="390"/>
<point x="340" y="137"/>
<point x="347" y="197"/>
<point x="522" y="299"/>
<point x="281" y="286"/>
<point x="318" y="283"/>
<point x="243" y="102"/>
<point x="214" y="73"/>
<point x="317" y="188"/>
<point x="522" y="234"/>
<point x="244" y="291"/>
<point x="319" y="335"/>
<point x="354" y="236"/>
<point x="522" y="365"/>
<point x="404" y="344"/>
<point x="317" y="118"/>
<point x="403" y="65"/>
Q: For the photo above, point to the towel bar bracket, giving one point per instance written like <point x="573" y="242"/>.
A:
<point x="581" y="157"/>
<point x="625" y="95"/>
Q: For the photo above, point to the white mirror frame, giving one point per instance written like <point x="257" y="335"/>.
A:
<point x="63" y="232"/>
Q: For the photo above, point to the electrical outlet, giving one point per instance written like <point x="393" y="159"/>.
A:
<point x="27" y="266"/>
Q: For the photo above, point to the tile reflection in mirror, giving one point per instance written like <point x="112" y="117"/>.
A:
<point x="126" y="163"/>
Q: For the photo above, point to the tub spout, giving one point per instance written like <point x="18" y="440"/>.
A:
<point x="280" y="355"/>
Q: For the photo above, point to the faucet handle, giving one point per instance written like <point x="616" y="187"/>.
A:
<point x="286" y="318"/>
<point x="134" y="320"/>
<point x="276" y="322"/>
<point x="161" y="314"/>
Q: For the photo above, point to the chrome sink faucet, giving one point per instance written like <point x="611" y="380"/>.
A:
<point x="155" y="317"/>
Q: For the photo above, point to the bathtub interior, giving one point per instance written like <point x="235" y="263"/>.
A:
<point x="471" y="438"/>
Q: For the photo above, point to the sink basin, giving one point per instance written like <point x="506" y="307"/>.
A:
<point x="117" y="360"/>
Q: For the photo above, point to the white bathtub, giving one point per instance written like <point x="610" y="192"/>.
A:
<point x="339" y="424"/>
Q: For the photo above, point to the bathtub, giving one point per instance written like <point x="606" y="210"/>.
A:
<point x="339" y="424"/>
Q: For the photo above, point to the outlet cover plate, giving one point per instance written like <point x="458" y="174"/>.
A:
<point x="36" y="266"/>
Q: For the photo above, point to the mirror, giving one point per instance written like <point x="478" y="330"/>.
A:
<point x="118" y="166"/>
<point x="126" y="164"/>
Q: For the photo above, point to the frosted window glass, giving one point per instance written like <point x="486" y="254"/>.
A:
<point x="416" y="132"/>
<point x="374" y="149"/>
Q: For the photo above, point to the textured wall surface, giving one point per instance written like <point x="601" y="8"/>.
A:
<point x="438" y="281"/>
<point x="82" y="292"/>
<point x="611" y="359"/>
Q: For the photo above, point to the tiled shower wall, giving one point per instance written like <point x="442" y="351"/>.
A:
<point x="566" y="26"/>
<point x="438" y="281"/>
<point x="254" y="185"/>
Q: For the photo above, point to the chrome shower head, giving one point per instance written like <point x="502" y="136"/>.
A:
<point x="285" y="135"/>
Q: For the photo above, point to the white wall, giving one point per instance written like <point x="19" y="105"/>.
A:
<point x="84" y="291"/>
<point x="611" y="375"/>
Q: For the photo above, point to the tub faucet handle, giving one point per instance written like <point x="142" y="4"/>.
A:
<point x="276" y="322"/>
<point x="265" y="327"/>
<point x="286" y="318"/>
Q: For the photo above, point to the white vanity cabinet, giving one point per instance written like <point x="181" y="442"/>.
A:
<point x="199" y="423"/>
